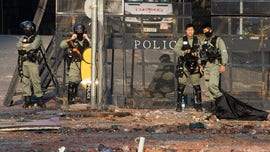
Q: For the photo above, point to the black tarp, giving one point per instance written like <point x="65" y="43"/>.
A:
<point x="229" y="107"/>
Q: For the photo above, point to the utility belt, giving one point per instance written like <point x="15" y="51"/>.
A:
<point x="214" y="60"/>
<point x="190" y="63"/>
<point x="74" y="59"/>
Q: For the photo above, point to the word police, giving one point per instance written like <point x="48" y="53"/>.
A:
<point x="155" y="44"/>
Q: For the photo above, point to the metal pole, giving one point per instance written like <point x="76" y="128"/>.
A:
<point x="241" y="20"/>
<point x="112" y="72"/>
<point x="100" y="50"/>
<point x="132" y="72"/>
<point x="124" y="61"/>
<point x="263" y="61"/>
<point x="94" y="48"/>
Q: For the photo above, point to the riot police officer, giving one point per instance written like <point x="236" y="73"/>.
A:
<point x="77" y="43"/>
<point x="187" y="49"/>
<point x="29" y="47"/>
<point x="214" y="56"/>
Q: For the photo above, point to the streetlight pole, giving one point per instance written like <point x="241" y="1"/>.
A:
<point x="100" y="51"/>
<point x="94" y="49"/>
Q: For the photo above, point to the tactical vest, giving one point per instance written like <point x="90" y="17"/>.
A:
<point x="80" y="47"/>
<point x="190" y="60"/>
<point x="186" y="46"/>
<point x="75" y="56"/>
<point x="31" y="55"/>
<point x="210" y="50"/>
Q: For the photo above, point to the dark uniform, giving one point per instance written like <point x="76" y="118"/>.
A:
<point x="29" y="47"/>
<point x="187" y="49"/>
<point x="78" y="42"/>
<point x="214" y="56"/>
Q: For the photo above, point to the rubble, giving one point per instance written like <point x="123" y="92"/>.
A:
<point x="164" y="130"/>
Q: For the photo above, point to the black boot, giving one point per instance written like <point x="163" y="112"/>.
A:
<point x="180" y="95"/>
<point x="178" y="105"/>
<point x="72" y="89"/>
<point x="216" y="103"/>
<point x="27" y="101"/>
<point x="219" y="99"/>
<point x="41" y="103"/>
<point x="213" y="107"/>
<point x="198" y="98"/>
<point x="198" y="107"/>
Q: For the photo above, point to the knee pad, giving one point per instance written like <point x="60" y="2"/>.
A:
<point x="197" y="88"/>
<point x="181" y="88"/>
<point x="72" y="87"/>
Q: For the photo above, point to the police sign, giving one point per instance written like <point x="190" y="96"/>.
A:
<point x="155" y="44"/>
<point x="142" y="43"/>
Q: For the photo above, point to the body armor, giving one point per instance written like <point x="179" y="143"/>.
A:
<point x="210" y="52"/>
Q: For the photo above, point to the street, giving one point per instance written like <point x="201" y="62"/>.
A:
<point x="84" y="128"/>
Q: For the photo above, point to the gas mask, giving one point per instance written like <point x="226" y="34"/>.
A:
<point x="28" y="33"/>
<point x="208" y="34"/>
<point x="80" y="36"/>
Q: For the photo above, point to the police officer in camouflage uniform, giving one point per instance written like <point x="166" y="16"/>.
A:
<point x="187" y="49"/>
<point x="77" y="43"/>
<point x="29" y="47"/>
<point x="214" y="56"/>
<point x="163" y="78"/>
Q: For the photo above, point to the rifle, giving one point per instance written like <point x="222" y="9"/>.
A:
<point x="72" y="53"/>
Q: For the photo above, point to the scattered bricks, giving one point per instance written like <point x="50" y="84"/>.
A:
<point x="182" y="127"/>
<point x="247" y="128"/>
<point x="172" y="129"/>
<point x="137" y="129"/>
<point x="235" y="131"/>
<point x="213" y="118"/>
<point x="116" y="127"/>
<point x="213" y="131"/>
<point x="51" y="104"/>
<point x="109" y="108"/>
<point x="227" y="131"/>
<point x="127" y="130"/>
<point x="147" y="149"/>
<point x="79" y="107"/>
<point x="187" y="131"/>
<point x="261" y="131"/>
<point x="161" y="129"/>
<point x="158" y="149"/>
<point x="150" y="129"/>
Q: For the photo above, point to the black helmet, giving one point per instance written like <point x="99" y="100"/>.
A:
<point x="29" y="27"/>
<point x="207" y="25"/>
<point x="79" y="28"/>
<point x="164" y="58"/>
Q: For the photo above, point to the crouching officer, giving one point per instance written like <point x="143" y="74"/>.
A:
<point x="77" y="43"/>
<point x="29" y="47"/>
<point x="214" y="56"/>
<point x="187" y="48"/>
